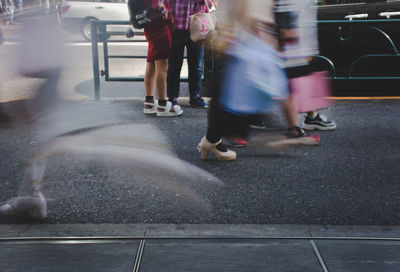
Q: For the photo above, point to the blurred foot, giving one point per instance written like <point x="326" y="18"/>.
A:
<point x="32" y="206"/>
<point x="295" y="137"/>
<point x="257" y="125"/>
<point x="235" y="142"/>
<point x="318" y="123"/>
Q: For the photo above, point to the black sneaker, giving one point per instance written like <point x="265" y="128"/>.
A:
<point x="173" y="100"/>
<point x="198" y="102"/>
<point x="318" y="123"/>
<point x="257" y="125"/>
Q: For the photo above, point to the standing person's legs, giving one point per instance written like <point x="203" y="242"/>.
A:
<point x="149" y="77"/>
<point x="150" y="106"/>
<point x="161" y="67"/>
<point x="164" y="108"/>
<point x="195" y="55"/>
<point x="175" y="64"/>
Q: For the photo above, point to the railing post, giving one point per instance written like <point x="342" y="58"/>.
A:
<point x="104" y="39"/>
<point x="95" y="58"/>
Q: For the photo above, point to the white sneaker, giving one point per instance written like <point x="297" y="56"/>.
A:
<point x="150" y="108"/>
<point x="169" y="110"/>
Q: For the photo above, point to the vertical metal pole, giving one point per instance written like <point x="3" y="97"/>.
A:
<point x="95" y="58"/>
<point x="103" y="30"/>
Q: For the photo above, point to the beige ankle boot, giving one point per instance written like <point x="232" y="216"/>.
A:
<point x="205" y="146"/>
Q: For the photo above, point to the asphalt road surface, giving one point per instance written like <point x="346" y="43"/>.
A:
<point x="116" y="165"/>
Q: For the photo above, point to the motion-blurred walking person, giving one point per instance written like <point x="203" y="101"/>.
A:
<point x="251" y="74"/>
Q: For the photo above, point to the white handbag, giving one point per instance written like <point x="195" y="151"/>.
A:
<point x="202" y="25"/>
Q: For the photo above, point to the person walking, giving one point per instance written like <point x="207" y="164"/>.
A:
<point x="251" y="73"/>
<point x="297" y="24"/>
<point x="158" y="35"/>
<point x="181" y="11"/>
<point x="39" y="57"/>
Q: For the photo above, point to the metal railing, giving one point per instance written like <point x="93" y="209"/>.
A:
<point x="341" y="51"/>
<point x="103" y="36"/>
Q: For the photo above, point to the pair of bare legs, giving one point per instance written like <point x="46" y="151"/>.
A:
<point x="156" y="74"/>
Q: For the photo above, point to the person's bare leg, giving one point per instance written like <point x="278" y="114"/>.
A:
<point x="312" y="114"/>
<point x="149" y="77"/>
<point x="161" y="67"/>
<point x="290" y="113"/>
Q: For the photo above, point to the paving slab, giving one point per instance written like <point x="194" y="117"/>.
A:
<point x="68" y="257"/>
<point x="214" y="255"/>
<point x="361" y="256"/>
<point x="198" y="247"/>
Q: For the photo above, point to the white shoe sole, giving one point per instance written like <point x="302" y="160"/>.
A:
<point x="316" y="127"/>
<point x="169" y="114"/>
<point x="147" y="111"/>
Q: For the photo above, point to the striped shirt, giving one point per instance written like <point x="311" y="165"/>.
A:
<point x="182" y="9"/>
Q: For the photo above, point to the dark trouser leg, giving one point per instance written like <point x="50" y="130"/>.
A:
<point x="220" y="122"/>
<point x="175" y="63"/>
<point x="195" y="54"/>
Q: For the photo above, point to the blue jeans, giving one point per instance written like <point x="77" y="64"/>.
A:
<point x="195" y="54"/>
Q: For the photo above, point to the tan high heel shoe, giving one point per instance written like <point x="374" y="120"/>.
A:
<point x="204" y="146"/>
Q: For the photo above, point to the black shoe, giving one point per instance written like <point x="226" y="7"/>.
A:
<point x="198" y="102"/>
<point x="173" y="100"/>
<point x="318" y="123"/>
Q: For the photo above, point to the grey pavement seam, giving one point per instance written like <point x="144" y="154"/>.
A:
<point x="319" y="256"/>
<point x="139" y="256"/>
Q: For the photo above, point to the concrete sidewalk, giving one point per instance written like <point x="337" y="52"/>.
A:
<point x="171" y="247"/>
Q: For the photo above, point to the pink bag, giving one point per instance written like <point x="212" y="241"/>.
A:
<point x="202" y="25"/>
<point x="310" y="92"/>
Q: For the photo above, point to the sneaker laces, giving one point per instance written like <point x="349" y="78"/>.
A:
<point x="321" y="118"/>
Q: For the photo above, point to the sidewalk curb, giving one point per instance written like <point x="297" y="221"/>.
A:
<point x="199" y="231"/>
